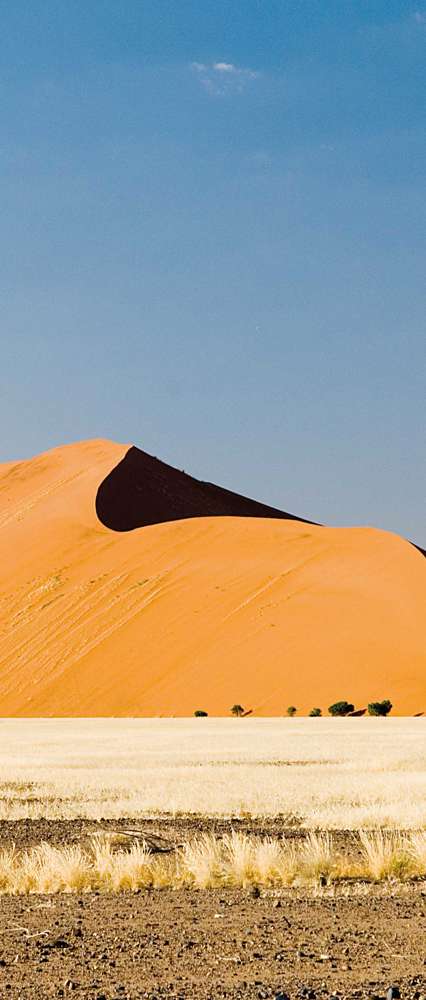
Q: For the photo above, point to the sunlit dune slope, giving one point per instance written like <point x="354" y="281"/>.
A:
<point x="194" y="613"/>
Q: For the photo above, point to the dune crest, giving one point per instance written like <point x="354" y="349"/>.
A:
<point x="143" y="490"/>
<point x="129" y="588"/>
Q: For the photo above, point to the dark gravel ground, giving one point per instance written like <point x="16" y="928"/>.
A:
<point x="210" y="944"/>
<point x="26" y="833"/>
<point x="32" y="831"/>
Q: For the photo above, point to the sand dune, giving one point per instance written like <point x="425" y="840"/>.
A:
<point x="200" y="610"/>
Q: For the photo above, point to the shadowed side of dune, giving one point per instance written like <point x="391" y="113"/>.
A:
<point x="142" y="490"/>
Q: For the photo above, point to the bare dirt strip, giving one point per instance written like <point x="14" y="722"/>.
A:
<point x="172" y="831"/>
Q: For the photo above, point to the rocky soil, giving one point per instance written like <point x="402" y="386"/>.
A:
<point x="207" y="945"/>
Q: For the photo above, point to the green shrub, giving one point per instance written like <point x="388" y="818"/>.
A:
<point x="341" y="708"/>
<point x="291" y="711"/>
<point x="199" y="713"/>
<point x="237" y="710"/>
<point x="379" y="707"/>
<point x="315" y="713"/>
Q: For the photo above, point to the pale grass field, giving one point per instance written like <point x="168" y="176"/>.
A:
<point x="325" y="774"/>
<point x="236" y="860"/>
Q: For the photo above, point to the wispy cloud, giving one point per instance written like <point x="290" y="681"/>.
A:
<point x="420" y="17"/>
<point x="221" y="78"/>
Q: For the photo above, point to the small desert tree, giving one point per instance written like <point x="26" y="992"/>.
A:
<point x="341" y="708"/>
<point x="379" y="707"/>
<point x="291" y="711"/>
<point x="315" y="713"/>
<point x="199" y="713"/>
<point x="237" y="710"/>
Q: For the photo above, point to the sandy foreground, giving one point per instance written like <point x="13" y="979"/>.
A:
<point x="194" y="613"/>
<point x="352" y="941"/>
<point x="314" y="942"/>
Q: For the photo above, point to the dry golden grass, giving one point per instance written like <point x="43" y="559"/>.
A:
<point x="318" y="856"/>
<point x="202" y="861"/>
<point x="319" y="773"/>
<point x="387" y="856"/>
<point x="417" y="849"/>
<point x="237" y="860"/>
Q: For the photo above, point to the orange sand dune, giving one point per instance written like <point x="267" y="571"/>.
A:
<point x="194" y="612"/>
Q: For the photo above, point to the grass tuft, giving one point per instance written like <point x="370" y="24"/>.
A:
<point x="317" y="856"/>
<point x="385" y="854"/>
<point x="268" y="857"/>
<point x="200" y="861"/>
<point x="238" y="859"/>
<point x="417" y="851"/>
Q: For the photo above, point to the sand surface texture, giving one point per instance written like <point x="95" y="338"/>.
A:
<point x="196" y="612"/>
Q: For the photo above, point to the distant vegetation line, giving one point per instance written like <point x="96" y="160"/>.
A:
<point x="339" y="708"/>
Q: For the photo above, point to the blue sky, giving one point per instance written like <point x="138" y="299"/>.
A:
<point x="213" y="243"/>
